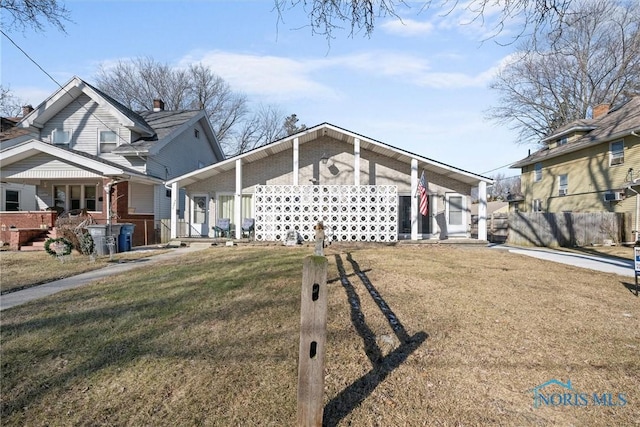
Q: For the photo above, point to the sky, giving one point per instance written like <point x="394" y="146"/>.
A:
<point x="420" y="84"/>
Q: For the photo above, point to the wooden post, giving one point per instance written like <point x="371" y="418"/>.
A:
<point x="313" y="331"/>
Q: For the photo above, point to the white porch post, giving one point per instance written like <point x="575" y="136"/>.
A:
<point x="237" y="208"/>
<point x="356" y="161"/>
<point x="482" y="210"/>
<point x="296" y="160"/>
<point x="414" y="199"/>
<point x="174" y="210"/>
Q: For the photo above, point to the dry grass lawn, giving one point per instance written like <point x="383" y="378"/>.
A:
<point x="417" y="335"/>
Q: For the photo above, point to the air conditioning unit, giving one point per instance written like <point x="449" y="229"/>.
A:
<point x="562" y="192"/>
<point x="613" y="196"/>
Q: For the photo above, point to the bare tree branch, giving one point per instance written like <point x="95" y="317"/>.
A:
<point x="33" y="14"/>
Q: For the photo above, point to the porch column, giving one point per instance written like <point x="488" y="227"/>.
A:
<point x="174" y="210"/>
<point x="414" y="199"/>
<point x="482" y="210"/>
<point x="356" y="161"/>
<point x="237" y="208"/>
<point x="296" y="160"/>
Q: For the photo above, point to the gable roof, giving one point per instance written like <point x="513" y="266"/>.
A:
<point x="340" y="134"/>
<point x="617" y="123"/>
<point x="157" y="128"/>
<point x="80" y="159"/>
<point x="168" y="125"/>
<point x="69" y="93"/>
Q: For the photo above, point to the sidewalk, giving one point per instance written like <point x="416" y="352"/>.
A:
<point x="617" y="266"/>
<point x="20" y="297"/>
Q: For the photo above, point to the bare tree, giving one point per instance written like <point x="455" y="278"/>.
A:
<point x="138" y="82"/>
<point x="34" y="14"/>
<point x="326" y="16"/>
<point x="503" y="187"/>
<point x="553" y="81"/>
<point x="291" y="125"/>
<point x="10" y="105"/>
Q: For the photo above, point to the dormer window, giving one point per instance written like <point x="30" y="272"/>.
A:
<point x="562" y="141"/>
<point x="108" y="141"/>
<point x="61" y="136"/>
<point x="616" y="153"/>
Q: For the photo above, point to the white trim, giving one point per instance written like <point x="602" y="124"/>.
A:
<point x="414" y="199"/>
<point x="459" y="229"/>
<point x="619" y="158"/>
<point x="356" y="161"/>
<point x="296" y="161"/>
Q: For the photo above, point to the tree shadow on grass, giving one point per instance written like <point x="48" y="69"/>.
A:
<point x="352" y="396"/>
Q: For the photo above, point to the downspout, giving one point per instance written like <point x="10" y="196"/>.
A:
<point x="107" y="189"/>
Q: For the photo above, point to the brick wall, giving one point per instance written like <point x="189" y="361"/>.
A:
<point x="25" y="219"/>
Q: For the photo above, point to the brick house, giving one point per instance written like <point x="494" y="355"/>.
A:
<point x="362" y="189"/>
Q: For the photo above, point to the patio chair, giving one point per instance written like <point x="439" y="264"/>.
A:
<point x="222" y="227"/>
<point x="248" y="227"/>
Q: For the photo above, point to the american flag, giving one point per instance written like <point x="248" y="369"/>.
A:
<point x="422" y="188"/>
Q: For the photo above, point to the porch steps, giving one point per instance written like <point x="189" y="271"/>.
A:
<point x="37" y="244"/>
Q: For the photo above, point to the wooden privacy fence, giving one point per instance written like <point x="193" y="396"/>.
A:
<point x="497" y="227"/>
<point x="568" y="229"/>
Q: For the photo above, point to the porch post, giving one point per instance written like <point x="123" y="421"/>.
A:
<point x="296" y="160"/>
<point x="482" y="210"/>
<point x="237" y="211"/>
<point x="174" y="210"/>
<point x="414" y="199"/>
<point x="356" y="161"/>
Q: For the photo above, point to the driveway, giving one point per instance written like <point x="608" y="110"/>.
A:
<point x="617" y="266"/>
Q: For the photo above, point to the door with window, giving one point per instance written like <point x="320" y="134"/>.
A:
<point x="456" y="213"/>
<point x="200" y="215"/>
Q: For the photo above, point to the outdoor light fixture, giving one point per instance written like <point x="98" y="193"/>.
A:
<point x="324" y="159"/>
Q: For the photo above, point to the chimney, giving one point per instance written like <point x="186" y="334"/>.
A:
<point x="158" y="105"/>
<point x="600" y="110"/>
<point x="26" y="109"/>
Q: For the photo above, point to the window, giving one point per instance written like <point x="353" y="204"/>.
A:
<point x="196" y="133"/>
<point x="563" y="185"/>
<point x="61" y="136"/>
<point x="616" y="153"/>
<point x="12" y="198"/>
<point x="537" y="205"/>
<point x="563" y="141"/>
<point x="537" y="172"/>
<point x="68" y="197"/>
<point x="108" y="141"/>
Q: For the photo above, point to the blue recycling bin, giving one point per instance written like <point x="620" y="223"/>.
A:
<point x="125" y="239"/>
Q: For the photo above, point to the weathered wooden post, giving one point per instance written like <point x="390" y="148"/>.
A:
<point x="313" y="331"/>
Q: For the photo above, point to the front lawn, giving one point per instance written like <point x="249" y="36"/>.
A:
<point x="417" y="335"/>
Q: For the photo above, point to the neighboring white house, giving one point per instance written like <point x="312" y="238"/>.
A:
<point x="86" y="151"/>
<point x="362" y="189"/>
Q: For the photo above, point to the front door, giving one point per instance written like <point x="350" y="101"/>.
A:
<point x="456" y="212"/>
<point x="200" y="216"/>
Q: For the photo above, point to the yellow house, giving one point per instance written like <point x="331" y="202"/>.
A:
<point x="590" y="165"/>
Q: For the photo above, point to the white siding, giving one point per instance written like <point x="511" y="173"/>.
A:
<point x="26" y="196"/>
<point x="182" y="155"/>
<point x="43" y="166"/>
<point x="162" y="203"/>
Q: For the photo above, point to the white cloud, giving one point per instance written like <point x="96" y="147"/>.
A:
<point x="275" y="78"/>
<point x="407" y="27"/>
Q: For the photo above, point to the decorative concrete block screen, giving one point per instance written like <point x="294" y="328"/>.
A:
<point x="364" y="213"/>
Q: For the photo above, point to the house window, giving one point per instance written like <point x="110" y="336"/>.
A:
<point x="61" y="136"/>
<point x="616" y="153"/>
<point x="12" y="199"/>
<point x="90" y="198"/>
<point x="68" y="197"/>
<point x="563" y="185"/>
<point x="108" y="141"/>
<point x="563" y="141"/>
<point x="196" y="133"/>
<point x="537" y="172"/>
<point x="537" y="205"/>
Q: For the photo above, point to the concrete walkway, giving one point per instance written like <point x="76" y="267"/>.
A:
<point x="20" y="297"/>
<point x="599" y="263"/>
